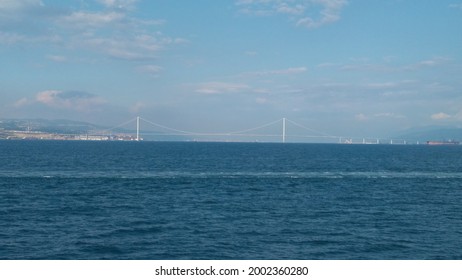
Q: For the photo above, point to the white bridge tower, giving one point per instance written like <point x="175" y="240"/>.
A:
<point x="283" y="130"/>
<point x="137" y="128"/>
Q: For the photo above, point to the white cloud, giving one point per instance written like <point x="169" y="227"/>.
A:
<point x="287" y="71"/>
<point x="379" y="86"/>
<point x="458" y="115"/>
<point x="440" y="116"/>
<point x="386" y="65"/>
<point x="14" y="13"/>
<point x="428" y="63"/>
<point x="330" y="13"/>
<point x="118" y="4"/>
<point x="21" y="102"/>
<point x="138" y="107"/>
<point x="15" y="5"/>
<point x="285" y="8"/>
<point x="83" y="20"/>
<point x="456" y="6"/>
<point x="251" y="53"/>
<point x="137" y="42"/>
<point x="57" y="58"/>
<point x="150" y="68"/>
<point x="111" y="31"/>
<point x="389" y="115"/>
<point x="74" y="100"/>
<point x="220" y="87"/>
<point x="135" y="48"/>
<point x="300" y="11"/>
<point x="361" y="117"/>
<point x="11" y="38"/>
<point x="261" y="100"/>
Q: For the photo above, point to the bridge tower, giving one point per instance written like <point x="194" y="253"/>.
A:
<point x="137" y="128"/>
<point x="283" y="130"/>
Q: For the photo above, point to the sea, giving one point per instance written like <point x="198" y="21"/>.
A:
<point x="94" y="200"/>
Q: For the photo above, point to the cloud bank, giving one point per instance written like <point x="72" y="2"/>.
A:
<point x="305" y="13"/>
<point x="112" y="30"/>
<point x="73" y="100"/>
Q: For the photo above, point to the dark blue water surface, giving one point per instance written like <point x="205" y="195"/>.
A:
<point x="160" y="200"/>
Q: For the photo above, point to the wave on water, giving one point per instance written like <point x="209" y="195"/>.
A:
<point x="231" y="175"/>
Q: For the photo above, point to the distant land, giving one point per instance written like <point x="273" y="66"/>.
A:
<point x="431" y="133"/>
<point x="43" y="129"/>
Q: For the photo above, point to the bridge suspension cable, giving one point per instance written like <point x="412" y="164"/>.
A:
<point x="120" y="125"/>
<point x="244" y="132"/>
<point x="322" y="134"/>
<point x="239" y="132"/>
<point x="252" y="129"/>
<point x="183" y="132"/>
<point x="250" y="132"/>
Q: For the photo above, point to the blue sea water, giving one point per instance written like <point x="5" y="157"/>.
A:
<point x="182" y="200"/>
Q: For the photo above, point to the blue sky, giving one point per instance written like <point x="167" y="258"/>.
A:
<point x="345" y="67"/>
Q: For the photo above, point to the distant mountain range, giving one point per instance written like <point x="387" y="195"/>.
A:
<point x="49" y="126"/>
<point x="431" y="133"/>
<point x="416" y="134"/>
<point x="8" y="127"/>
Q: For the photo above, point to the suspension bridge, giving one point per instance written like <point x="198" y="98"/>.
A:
<point x="282" y="130"/>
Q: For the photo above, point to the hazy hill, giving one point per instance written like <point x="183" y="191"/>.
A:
<point x="77" y="127"/>
<point x="432" y="133"/>
<point x="48" y="126"/>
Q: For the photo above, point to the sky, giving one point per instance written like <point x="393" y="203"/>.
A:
<point x="343" y="67"/>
